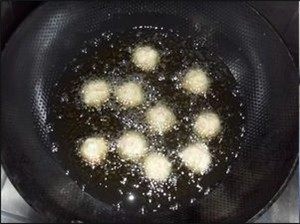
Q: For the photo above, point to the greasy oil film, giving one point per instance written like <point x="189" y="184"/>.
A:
<point x="121" y="183"/>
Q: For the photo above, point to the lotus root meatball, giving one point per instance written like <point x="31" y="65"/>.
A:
<point x="130" y="94"/>
<point x="157" y="167"/>
<point x="196" y="81"/>
<point x="207" y="125"/>
<point x="132" y="146"/>
<point x="160" y="118"/>
<point x="93" y="150"/>
<point x="196" y="157"/>
<point x="146" y="58"/>
<point x="95" y="93"/>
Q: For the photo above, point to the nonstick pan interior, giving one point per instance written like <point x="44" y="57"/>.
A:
<point x="35" y="58"/>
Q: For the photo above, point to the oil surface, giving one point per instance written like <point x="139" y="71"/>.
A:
<point x="120" y="183"/>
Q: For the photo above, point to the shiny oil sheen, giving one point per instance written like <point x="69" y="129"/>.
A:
<point x="120" y="183"/>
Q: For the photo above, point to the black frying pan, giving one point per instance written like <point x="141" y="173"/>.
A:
<point x="36" y="55"/>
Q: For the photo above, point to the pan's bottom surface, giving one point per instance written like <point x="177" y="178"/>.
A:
<point x="120" y="183"/>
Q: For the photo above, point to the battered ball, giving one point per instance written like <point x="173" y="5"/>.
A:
<point x="95" y="93"/>
<point x="93" y="150"/>
<point x="207" y="125"/>
<point x="146" y="58"/>
<point x="196" y="81"/>
<point x="130" y="94"/>
<point x="157" y="167"/>
<point x="160" y="119"/>
<point x="132" y="146"/>
<point x="196" y="157"/>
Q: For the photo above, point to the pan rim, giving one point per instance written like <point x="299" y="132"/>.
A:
<point x="295" y="163"/>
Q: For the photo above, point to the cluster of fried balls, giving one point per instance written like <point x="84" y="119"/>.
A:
<point x="132" y="145"/>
